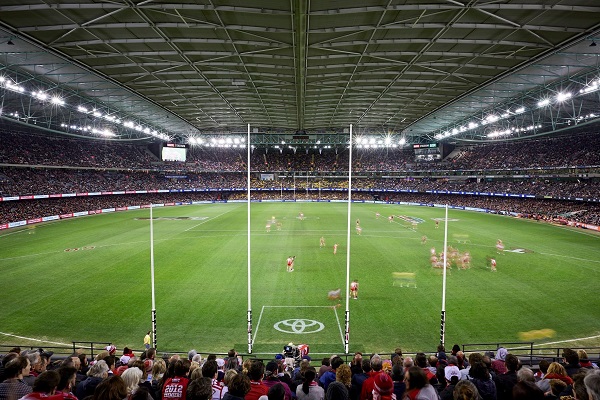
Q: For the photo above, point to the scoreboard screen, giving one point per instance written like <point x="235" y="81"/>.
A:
<point x="174" y="152"/>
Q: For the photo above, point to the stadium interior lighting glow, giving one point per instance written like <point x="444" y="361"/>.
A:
<point x="563" y="96"/>
<point x="82" y="109"/>
<point x="543" y="102"/>
<point x="520" y="110"/>
<point x="591" y="87"/>
<point x="57" y="100"/>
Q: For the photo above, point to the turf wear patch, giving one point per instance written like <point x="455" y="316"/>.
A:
<point x="518" y="250"/>
<point x="412" y="220"/>
<point x="80" y="248"/>
<point x="173" y="218"/>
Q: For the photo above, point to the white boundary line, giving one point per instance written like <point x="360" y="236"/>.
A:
<point x="263" y="309"/>
<point x="35" y="340"/>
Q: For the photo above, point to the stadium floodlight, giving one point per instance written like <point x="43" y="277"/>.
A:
<point x="402" y="141"/>
<point x="82" y="109"/>
<point x="563" y="96"/>
<point x="2" y="79"/>
<point x="591" y="87"/>
<point x="520" y="110"/>
<point x="543" y="103"/>
<point x="40" y="95"/>
<point x="57" y="101"/>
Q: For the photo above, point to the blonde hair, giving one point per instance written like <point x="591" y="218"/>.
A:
<point x="556" y="368"/>
<point x="229" y="374"/>
<point x="343" y="374"/>
<point x="132" y="377"/>
<point x="159" y="367"/>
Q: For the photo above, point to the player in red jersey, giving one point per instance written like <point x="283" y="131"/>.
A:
<point x="493" y="264"/>
<point x="499" y="246"/>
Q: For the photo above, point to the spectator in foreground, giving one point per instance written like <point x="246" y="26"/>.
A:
<point x="417" y="386"/>
<point x="465" y="390"/>
<point x="239" y="387"/>
<point x="44" y="387"/>
<point x="592" y="384"/>
<point x="97" y="373"/>
<point x="113" y="388"/>
<point x="310" y="389"/>
<point x="199" y="389"/>
<point x="13" y="387"/>
<point x="336" y="391"/>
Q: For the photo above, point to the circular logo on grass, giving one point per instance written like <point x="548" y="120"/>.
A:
<point x="299" y="326"/>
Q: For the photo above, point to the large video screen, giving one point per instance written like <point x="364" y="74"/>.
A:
<point x="174" y="154"/>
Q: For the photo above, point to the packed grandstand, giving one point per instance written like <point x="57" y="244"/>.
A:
<point x="45" y="177"/>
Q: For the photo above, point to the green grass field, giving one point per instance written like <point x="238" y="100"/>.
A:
<point x="102" y="291"/>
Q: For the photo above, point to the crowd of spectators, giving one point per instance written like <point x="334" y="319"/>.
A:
<point x="32" y="375"/>
<point x="539" y="209"/>
<point x="35" y="164"/>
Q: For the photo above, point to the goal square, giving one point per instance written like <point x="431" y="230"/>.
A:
<point x="313" y="325"/>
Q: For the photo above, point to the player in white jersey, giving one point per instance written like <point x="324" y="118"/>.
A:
<point x="358" y="230"/>
<point x="377" y="215"/>
<point x="493" y="264"/>
<point x="423" y="239"/>
<point x="322" y="242"/>
<point x="290" y="263"/>
<point x="499" y="246"/>
<point x="335" y="247"/>
<point x="354" y="289"/>
<point x="268" y="227"/>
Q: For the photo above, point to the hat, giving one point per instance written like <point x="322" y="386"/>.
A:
<point x="383" y="384"/>
<point x="501" y="353"/>
<point x="451" y="371"/>
<point x="441" y="355"/>
<point x="220" y="362"/>
<point x="111" y="349"/>
<point x="278" y="356"/>
<point x="148" y="364"/>
<point x="306" y="357"/>
<point x="124" y="360"/>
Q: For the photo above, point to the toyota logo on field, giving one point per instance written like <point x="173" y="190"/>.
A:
<point x="299" y="326"/>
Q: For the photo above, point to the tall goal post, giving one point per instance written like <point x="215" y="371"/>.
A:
<point x="347" y="312"/>
<point x="153" y="316"/>
<point x="443" y="313"/>
<point x="249" y="315"/>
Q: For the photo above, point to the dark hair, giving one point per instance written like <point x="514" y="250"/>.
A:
<point x="66" y="374"/>
<point x="571" y="356"/>
<point x="479" y="371"/>
<point x="336" y="362"/>
<point x="276" y="392"/>
<point x="46" y="382"/>
<point x="309" y="376"/>
<point x="366" y="365"/>
<point x="180" y="368"/>
<point x="421" y="360"/>
<point x="256" y="370"/>
<point x="210" y="368"/>
<point x="14" y="366"/>
<point x="527" y="391"/>
<point x="239" y="385"/>
<point x="199" y="389"/>
<point x="543" y="365"/>
<point x="397" y="373"/>
<point x="512" y="362"/>
<point x="417" y="379"/>
<point x="325" y="361"/>
<point x="110" y="361"/>
<point x="111" y="388"/>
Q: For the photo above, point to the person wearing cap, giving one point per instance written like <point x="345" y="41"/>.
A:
<point x="452" y="375"/>
<point x="383" y="388"/>
<point x="272" y="378"/>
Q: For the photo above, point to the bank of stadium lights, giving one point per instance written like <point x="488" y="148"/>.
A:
<point x="101" y="132"/>
<point x="58" y="101"/>
<point x="510" y="131"/>
<point x="378" y="142"/>
<point x="591" y="87"/>
<point x="228" y="142"/>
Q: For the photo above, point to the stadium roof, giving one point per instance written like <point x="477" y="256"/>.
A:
<point x="424" y="70"/>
